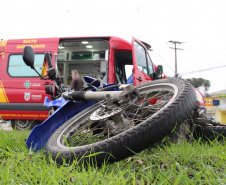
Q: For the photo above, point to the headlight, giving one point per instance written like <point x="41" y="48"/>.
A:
<point x="199" y="96"/>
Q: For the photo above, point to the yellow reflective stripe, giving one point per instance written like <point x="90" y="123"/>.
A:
<point x="3" y="43"/>
<point x="3" y="96"/>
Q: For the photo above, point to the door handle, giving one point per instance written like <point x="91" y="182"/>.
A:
<point x="139" y="79"/>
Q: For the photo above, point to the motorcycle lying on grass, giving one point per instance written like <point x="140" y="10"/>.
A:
<point x="107" y="123"/>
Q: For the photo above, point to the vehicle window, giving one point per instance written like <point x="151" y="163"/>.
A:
<point x="17" y="67"/>
<point x="129" y="70"/>
<point x="141" y="57"/>
<point x="150" y="67"/>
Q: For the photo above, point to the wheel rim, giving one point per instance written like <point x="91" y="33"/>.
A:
<point x="82" y="131"/>
<point x="22" y="123"/>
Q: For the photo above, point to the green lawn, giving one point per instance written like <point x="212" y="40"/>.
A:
<point x="199" y="162"/>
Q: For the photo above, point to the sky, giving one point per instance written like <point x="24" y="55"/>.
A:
<point x="200" y="24"/>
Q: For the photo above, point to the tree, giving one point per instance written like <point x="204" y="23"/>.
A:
<point x="200" y="83"/>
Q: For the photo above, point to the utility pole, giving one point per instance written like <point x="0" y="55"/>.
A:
<point x="175" y="48"/>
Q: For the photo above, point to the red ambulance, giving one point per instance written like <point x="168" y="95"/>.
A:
<point x="109" y="58"/>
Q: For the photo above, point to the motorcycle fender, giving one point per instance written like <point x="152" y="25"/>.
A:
<point x="55" y="103"/>
<point x="41" y="133"/>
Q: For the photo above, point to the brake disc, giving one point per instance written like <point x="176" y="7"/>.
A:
<point x="104" y="112"/>
<point x="110" y="111"/>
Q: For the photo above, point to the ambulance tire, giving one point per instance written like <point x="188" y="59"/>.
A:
<point x="24" y="124"/>
<point x="137" y="138"/>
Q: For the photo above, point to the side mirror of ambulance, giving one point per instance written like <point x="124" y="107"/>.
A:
<point x="159" y="71"/>
<point x="29" y="56"/>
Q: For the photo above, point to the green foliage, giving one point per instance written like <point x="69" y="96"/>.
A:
<point x="199" y="82"/>
<point x="199" y="162"/>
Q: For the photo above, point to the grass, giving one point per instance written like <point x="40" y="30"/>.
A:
<point x="199" y="162"/>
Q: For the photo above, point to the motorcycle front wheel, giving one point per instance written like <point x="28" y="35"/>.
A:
<point x="162" y="105"/>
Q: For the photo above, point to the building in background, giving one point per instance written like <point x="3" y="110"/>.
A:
<point x="216" y="106"/>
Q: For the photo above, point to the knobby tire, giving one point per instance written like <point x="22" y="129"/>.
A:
<point x="209" y="129"/>
<point x="141" y="136"/>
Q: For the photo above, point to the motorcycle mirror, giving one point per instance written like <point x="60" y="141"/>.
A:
<point x="29" y="56"/>
<point x="159" y="71"/>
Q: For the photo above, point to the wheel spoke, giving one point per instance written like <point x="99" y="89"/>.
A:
<point x="89" y="132"/>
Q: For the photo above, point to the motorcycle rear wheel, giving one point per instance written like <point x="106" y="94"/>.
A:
<point x="148" y="123"/>
<point x="209" y="129"/>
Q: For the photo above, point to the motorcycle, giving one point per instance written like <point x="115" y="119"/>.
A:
<point x="109" y="122"/>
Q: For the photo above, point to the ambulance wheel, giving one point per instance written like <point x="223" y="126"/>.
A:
<point x="109" y="140"/>
<point x="23" y="124"/>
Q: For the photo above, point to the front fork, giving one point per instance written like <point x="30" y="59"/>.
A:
<point x="127" y="94"/>
<point x="112" y="104"/>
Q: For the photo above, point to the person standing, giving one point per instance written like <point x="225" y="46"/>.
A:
<point x="76" y="83"/>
